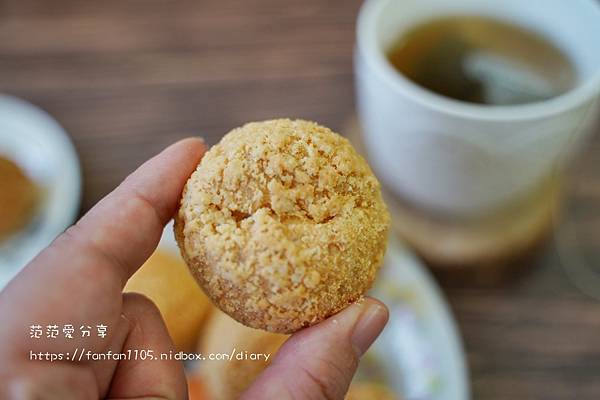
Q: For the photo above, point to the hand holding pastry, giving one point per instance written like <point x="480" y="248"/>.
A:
<point x="80" y="277"/>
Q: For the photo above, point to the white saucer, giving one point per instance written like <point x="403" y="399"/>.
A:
<point x="42" y="148"/>
<point x="419" y="354"/>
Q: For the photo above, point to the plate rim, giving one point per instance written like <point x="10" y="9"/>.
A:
<point x="41" y="124"/>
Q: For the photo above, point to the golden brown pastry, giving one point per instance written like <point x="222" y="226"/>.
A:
<point x="19" y="197"/>
<point x="166" y="280"/>
<point x="227" y="380"/>
<point x="282" y="224"/>
<point x="196" y="389"/>
<point x="370" y="391"/>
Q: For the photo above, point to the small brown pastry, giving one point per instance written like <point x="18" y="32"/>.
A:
<point x="19" y="197"/>
<point x="370" y="391"/>
<point x="165" y="279"/>
<point x="228" y="379"/>
<point x="282" y="224"/>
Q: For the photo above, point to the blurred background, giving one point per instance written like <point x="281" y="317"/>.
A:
<point x="125" y="78"/>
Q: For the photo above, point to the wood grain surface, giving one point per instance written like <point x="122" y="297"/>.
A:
<point x="128" y="77"/>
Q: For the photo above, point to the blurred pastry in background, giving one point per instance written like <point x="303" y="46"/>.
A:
<point x="196" y="389"/>
<point x="19" y="198"/>
<point x="166" y="280"/>
<point x="364" y="390"/>
<point x="227" y="380"/>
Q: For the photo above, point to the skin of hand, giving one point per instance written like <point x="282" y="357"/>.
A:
<point x="79" y="279"/>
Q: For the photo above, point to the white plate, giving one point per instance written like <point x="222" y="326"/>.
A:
<point x="41" y="147"/>
<point x="419" y="354"/>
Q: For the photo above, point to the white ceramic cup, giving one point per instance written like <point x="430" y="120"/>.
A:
<point x="465" y="159"/>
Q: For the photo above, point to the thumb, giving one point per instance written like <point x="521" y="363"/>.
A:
<point x="320" y="361"/>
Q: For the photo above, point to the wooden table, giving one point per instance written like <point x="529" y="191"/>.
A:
<point x="128" y="77"/>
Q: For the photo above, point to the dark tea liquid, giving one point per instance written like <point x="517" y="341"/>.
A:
<point x="482" y="60"/>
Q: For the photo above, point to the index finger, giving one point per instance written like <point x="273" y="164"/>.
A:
<point x="125" y="227"/>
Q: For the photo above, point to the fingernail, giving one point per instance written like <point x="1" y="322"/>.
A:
<point x="369" y="325"/>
